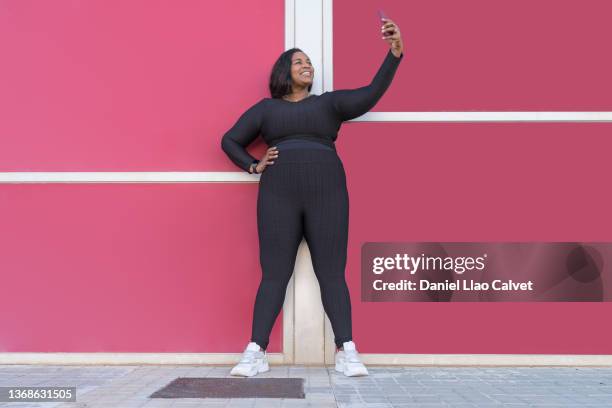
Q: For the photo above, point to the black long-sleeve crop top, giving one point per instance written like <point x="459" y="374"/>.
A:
<point x="316" y="117"/>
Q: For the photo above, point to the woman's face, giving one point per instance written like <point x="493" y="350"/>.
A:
<point x="302" y="72"/>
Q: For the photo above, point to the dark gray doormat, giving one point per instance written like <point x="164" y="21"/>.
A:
<point x="210" y="387"/>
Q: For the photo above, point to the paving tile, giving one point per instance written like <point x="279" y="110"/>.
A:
<point x="385" y="387"/>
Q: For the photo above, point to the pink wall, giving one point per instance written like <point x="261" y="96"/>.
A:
<point x="481" y="54"/>
<point x="129" y="86"/>
<point x="128" y="267"/>
<point x="141" y="86"/>
<point x="479" y="181"/>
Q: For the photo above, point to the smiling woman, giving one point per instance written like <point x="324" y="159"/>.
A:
<point x="316" y="117"/>
<point x="302" y="194"/>
<point x="292" y="76"/>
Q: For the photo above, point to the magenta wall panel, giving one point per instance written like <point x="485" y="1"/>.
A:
<point x="477" y="182"/>
<point x="129" y="268"/>
<point x="130" y="85"/>
<point x="518" y="55"/>
<point x="152" y="86"/>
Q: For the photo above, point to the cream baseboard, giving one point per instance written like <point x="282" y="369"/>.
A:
<point x="436" y="360"/>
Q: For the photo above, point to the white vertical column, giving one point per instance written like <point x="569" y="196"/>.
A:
<point x="328" y="85"/>
<point x="304" y="24"/>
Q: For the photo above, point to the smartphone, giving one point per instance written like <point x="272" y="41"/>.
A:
<point x="382" y="16"/>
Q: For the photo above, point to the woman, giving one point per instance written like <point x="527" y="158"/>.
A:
<point x="302" y="192"/>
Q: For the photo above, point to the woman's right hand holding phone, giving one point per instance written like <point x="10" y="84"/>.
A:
<point x="391" y="34"/>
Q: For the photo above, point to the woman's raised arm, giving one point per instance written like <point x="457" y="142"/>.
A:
<point x="351" y="103"/>
<point x="239" y="136"/>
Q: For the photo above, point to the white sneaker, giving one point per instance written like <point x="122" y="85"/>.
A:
<point x="348" y="361"/>
<point x="253" y="361"/>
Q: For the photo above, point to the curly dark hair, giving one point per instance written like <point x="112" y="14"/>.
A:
<point x="280" y="77"/>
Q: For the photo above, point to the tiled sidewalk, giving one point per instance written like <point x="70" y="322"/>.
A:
<point x="130" y="386"/>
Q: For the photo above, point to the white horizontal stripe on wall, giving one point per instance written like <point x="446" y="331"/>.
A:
<point x="128" y="177"/>
<point x="484" y="116"/>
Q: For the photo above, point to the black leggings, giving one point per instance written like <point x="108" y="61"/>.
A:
<point x="303" y="194"/>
